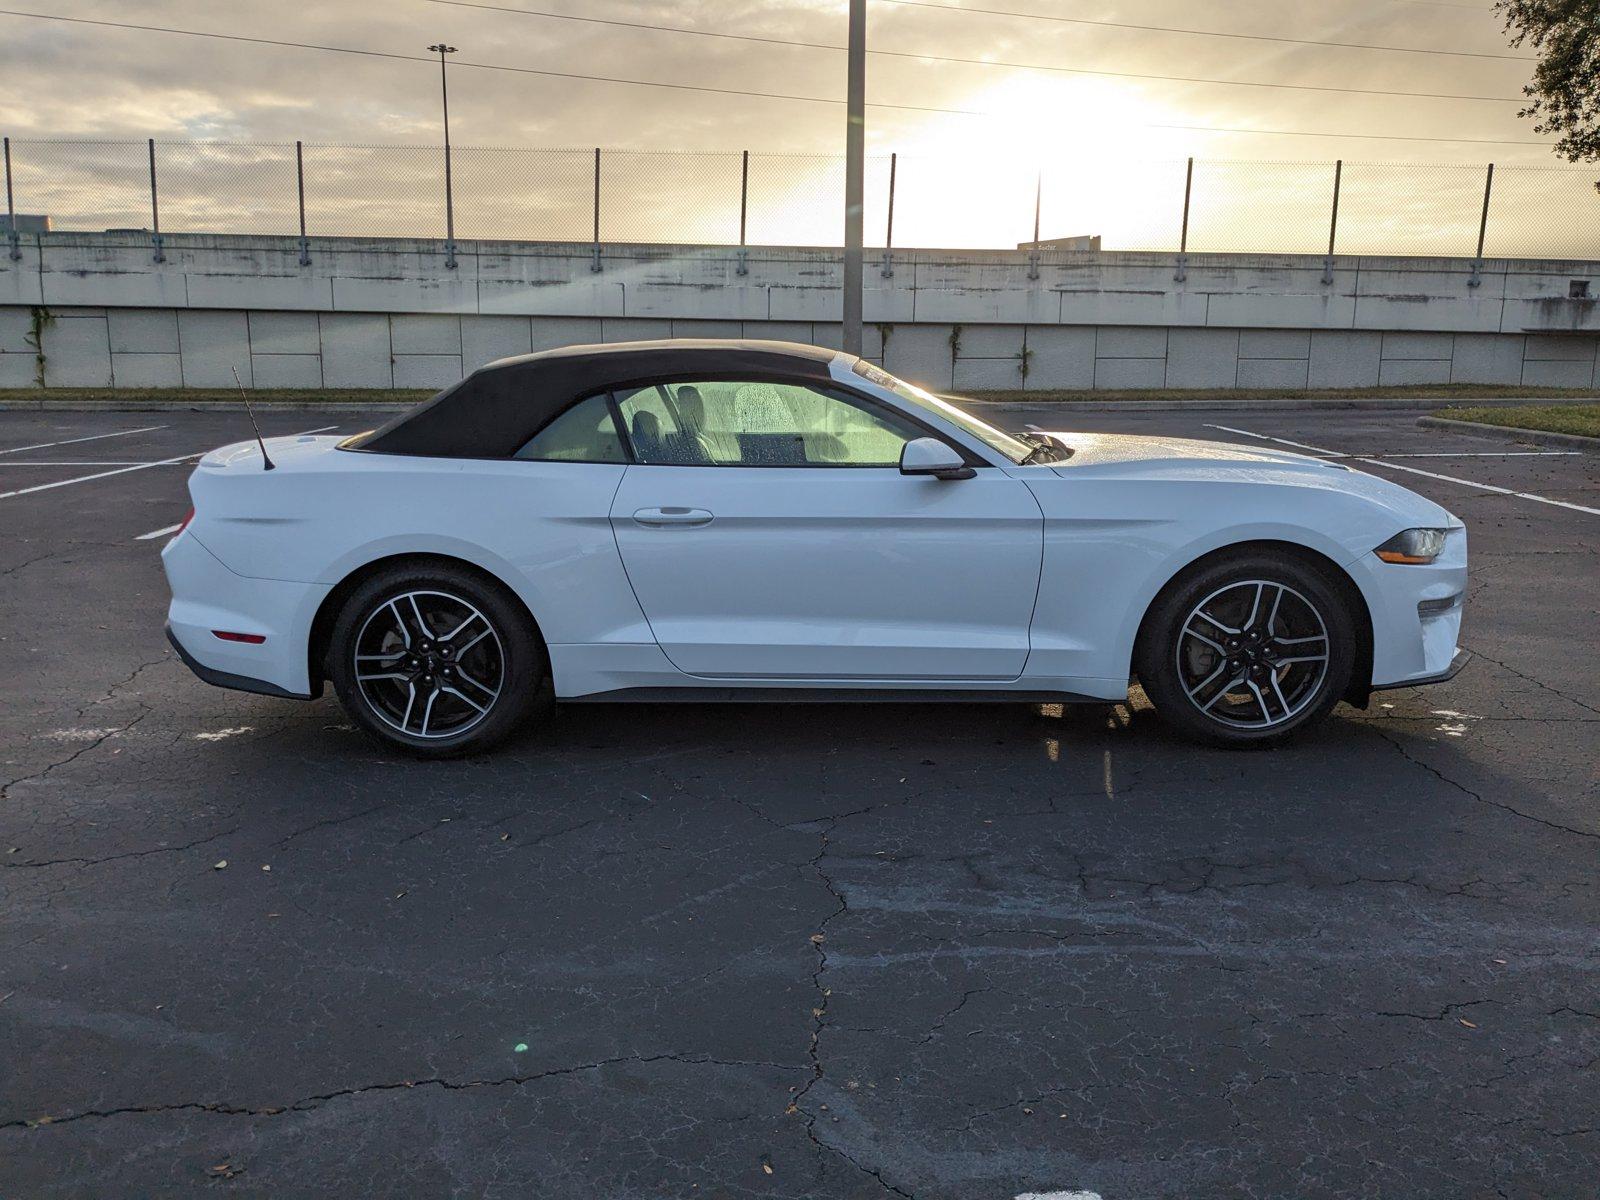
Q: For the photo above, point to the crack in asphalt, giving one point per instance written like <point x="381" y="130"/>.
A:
<point x="5" y="788"/>
<point x="1444" y="1013"/>
<point x="1536" y="682"/>
<point x="90" y="862"/>
<point x="308" y="1103"/>
<point x="1478" y="796"/>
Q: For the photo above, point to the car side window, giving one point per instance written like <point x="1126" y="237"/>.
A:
<point x="759" y="424"/>
<point x="584" y="433"/>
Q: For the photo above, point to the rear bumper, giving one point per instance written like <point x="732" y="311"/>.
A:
<point x="223" y="679"/>
<point x="207" y="596"/>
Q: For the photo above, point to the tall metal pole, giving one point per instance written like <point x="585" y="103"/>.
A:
<point x="1483" y="228"/>
<point x="300" y="189"/>
<point x="1333" y="222"/>
<point x="888" y="232"/>
<point x="11" y="209"/>
<point x="594" y="263"/>
<point x="155" y="208"/>
<point x="855" y="146"/>
<point x="441" y="50"/>
<point x="1182" y="272"/>
<point x="743" y="264"/>
<point x="1033" y="256"/>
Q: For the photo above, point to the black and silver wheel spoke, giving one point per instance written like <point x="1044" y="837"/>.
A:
<point x="424" y="683"/>
<point x="1252" y="654"/>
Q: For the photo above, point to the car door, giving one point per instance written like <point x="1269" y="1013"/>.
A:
<point x="768" y="534"/>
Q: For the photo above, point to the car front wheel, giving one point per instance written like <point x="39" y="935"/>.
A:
<point x="435" y="659"/>
<point x="1247" y="649"/>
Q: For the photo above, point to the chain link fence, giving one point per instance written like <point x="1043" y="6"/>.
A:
<point x="751" y="198"/>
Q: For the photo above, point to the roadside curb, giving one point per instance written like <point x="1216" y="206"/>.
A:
<point x="1507" y="433"/>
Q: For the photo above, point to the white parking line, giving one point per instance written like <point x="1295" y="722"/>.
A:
<point x="1378" y="462"/>
<point x="60" y="462"/>
<point x="91" y="438"/>
<point x="165" y="462"/>
<point x="155" y="533"/>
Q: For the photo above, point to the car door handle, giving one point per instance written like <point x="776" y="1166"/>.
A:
<point x="658" y="517"/>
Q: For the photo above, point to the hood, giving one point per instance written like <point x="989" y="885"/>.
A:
<point x="1103" y="449"/>
<point x="1134" y="457"/>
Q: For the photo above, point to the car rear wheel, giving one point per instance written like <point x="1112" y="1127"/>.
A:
<point x="435" y="659"/>
<point x="1247" y="650"/>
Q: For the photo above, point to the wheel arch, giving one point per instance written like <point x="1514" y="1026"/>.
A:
<point x="1341" y="579"/>
<point x="328" y="611"/>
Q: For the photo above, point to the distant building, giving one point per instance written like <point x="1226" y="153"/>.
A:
<point x="1087" y="241"/>
<point x="26" y="223"/>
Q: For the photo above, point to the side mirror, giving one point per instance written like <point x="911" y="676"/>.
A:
<point x="930" y="456"/>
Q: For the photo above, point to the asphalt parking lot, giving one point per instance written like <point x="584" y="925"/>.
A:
<point x="938" y="951"/>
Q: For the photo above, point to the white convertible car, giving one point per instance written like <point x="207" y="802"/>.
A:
<point x="720" y="520"/>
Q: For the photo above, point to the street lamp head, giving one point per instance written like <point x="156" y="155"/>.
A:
<point x="441" y="48"/>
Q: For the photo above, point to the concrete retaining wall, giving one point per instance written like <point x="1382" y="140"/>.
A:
<point x="391" y="314"/>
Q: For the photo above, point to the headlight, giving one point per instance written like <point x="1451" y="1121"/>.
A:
<point x="1413" y="546"/>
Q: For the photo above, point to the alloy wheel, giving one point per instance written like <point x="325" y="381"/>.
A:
<point x="1253" y="654"/>
<point x="429" y="664"/>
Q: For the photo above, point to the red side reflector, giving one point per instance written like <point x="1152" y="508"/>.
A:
<point x="254" y="639"/>
<point x="184" y="524"/>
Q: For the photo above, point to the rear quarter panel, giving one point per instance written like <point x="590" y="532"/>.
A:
<point x="541" y="528"/>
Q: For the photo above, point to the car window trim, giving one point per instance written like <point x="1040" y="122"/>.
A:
<point x="833" y="388"/>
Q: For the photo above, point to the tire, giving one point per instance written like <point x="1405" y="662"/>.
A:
<point x="436" y="660"/>
<point x="1246" y="649"/>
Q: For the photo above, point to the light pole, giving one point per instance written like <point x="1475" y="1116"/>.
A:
<point x="441" y="50"/>
<point x="855" y="140"/>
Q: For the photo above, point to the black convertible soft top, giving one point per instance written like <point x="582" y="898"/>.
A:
<point x="495" y="410"/>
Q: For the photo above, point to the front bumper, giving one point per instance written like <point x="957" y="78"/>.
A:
<point x="1462" y="657"/>
<point x="1416" y="614"/>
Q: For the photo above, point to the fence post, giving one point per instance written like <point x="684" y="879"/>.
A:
<point x="300" y="188"/>
<point x="744" y="207"/>
<point x="594" y="264"/>
<point x="888" y="234"/>
<point x="1476" y="278"/>
<point x="11" y="210"/>
<point x="1333" y="222"/>
<point x="1033" y="255"/>
<point x="155" y="208"/>
<point x="1182" y="272"/>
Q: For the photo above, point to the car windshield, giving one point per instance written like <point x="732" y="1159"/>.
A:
<point x="1012" y="447"/>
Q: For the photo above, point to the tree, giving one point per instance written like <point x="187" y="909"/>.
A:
<point x="1565" y="92"/>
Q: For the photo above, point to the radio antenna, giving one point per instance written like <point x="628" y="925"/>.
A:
<point x="252" y="414"/>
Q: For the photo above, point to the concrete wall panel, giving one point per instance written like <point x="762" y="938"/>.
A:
<point x="426" y="370"/>
<point x="484" y="339"/>
<point x="142" y="330"/>
<point x="1287" y="373"/>
<point x="77" y="351"/>
<point x="286" y="370"/>
<point x="16" y="369"/>
<point x="1275" y="343"/>
<point x="15" y="326"/>
<point x="147" y="370"/>
<point x="551" y="333"/>
<point x="1344" y="359"/>
<point x="355" y="351"/>
<point x="921" y="354"/>
<point x="1486" y="358"/>
<point x="1115" y="373"/>
<point x="1202" y="358"/>
<point x="976" y="374"/>
<point x="1112" y="341"/>
<point x="215" y="345"/>
<point x="991" y="341"/>
<point x="1398" y="372"/>
<point x="1417" y="345"/>
<point x="429" y="333"/>
<point x="632" y="329"/>
<point x="1557" y="373"/>
<point x="284" y="333"/>
<point x="1062" y="357"/>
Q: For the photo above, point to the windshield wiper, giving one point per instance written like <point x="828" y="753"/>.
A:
<point x="1043" y="443"/>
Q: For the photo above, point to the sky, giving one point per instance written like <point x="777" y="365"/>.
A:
<point x="1104" y="144"/>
